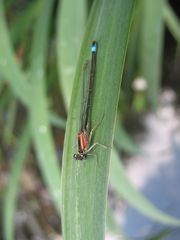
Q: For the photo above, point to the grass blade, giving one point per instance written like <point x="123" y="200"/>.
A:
<point x="6" y="97"/>
<point x="57" y="121"/>
<point x="172" y="21"/>
<point x="9" y="67"/>
<point x="38" y="106"/>
<point x="23" y="21"/>
<point x="11" y="193"/>
<point x="127" y="145"/>
<point x="132" y="53"/>
<point x="151" y="44"/>
<point x="39" y="117"/>
<point x="124" y="188"/>
<point x="84" y="184"/>
<point x="8" y="136"/>
<point x="70" y="30"/>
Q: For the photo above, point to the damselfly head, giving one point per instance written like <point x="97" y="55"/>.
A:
<point x="94" y="47"/>
<point x="80" y="156"/>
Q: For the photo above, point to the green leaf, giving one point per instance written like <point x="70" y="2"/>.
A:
<point x="70" y="28"/>
<point x="24" y="20"/>
<point x="57" y="121"/>
<point x="172" y="21"/>
<point x="8" y="136"/>
<point x="130" y="69"/>
<point x="125" y="189"/>
<point x="123" y="141"/>
<point x="12" y="189"/>
<point x="38" y="106"/>
<point x="9" y="67"/>
<point x="34" y="96"/>
<point x="6" y="97"/>
<point x="84" y="183"/>
<point x="151" y="44"/>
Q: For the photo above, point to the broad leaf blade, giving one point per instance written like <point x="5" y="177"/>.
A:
<point x="84" y="184"/>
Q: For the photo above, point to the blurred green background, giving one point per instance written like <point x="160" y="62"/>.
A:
<point x="40" y="42"/>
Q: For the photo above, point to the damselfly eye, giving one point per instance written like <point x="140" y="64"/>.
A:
<point x="81" y="156"/>
<point x="78" y="156"/>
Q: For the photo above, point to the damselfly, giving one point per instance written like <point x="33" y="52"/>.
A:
<point x="84" y="135"/>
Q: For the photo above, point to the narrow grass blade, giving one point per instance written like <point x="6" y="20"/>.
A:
<point x="123" y="141"/>
<point x="9" y="67"/>
<point x="124" y="188"/>
<point x="56" y="120"/>
<point x="70" y="28"/>
<point x="8" y="135"/>
<point x="21" y="24"/>
<point x="5" y="99"/>
<point x="11" y="192"/>
<point x="84" y="183"/>
<point x="39" y="116"/>
<point x="1" y="84"/>
<point x="17" y="80"/>
<point x="172" y="21"/>
<point x="130" y="69"/>
<point x="151" y="44"/>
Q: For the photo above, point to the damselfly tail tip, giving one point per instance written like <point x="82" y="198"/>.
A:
<point x="94" y="47"/>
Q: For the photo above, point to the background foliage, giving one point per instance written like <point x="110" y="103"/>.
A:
<point x="39" y="48"/>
